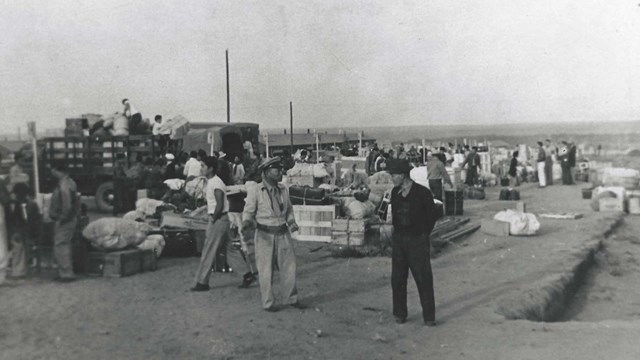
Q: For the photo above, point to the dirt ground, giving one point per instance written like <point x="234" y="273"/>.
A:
<point x="153" y="316"/>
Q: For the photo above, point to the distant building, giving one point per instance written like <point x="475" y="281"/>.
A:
<point x="280" y="142"/>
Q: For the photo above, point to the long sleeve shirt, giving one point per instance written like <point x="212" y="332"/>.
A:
<point x="268" y="205"/>
<point x="65" y="202"/>
<point x="436" y="171"/>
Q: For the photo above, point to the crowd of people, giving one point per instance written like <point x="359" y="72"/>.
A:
<point x="548" y="155"/>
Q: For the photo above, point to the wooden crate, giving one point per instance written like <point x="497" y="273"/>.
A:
<point x="300" y="180"/>
<point x="149" y="260"/>
<point x="315" y="222"/>
<point x="349" y="232"/>
<point x="634" y="206"/>
<point x="120" y="263"/>
<point x="171" y="219"/>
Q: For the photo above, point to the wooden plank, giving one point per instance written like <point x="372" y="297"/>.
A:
<point x="308" y="223"/>
<point x="562" y="216"/>
<point x="494" y="227"/>
<point x="320" y="238"/>
<point x="170" y="219"/>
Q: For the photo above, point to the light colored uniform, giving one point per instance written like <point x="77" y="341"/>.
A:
<point x="271" y="210"/>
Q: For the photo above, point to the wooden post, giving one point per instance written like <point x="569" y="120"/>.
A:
<point x="291" y="127"/>
<point x="317" y="148"/>
<point x="31" y="126"/>
<point x="424" y="152"/>
<point x="228" y="96"/>
<point x="266" y="140"/>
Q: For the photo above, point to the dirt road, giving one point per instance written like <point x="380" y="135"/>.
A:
<point x="153" y="316"/>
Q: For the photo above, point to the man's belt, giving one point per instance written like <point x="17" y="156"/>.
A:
<point x="281" y="229"/>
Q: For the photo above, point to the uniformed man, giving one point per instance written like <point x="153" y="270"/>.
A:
<point x="268" y="208"/>
<point x="64" y="209"/>
<point x="414" y="216"/>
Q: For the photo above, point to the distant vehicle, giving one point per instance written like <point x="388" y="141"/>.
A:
<point x="90" y="161"/>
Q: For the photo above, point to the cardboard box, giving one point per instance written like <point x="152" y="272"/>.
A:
<point x="170" y="219"/>
<point x="494" y="227"/>
<point x="612" y="204"/>
<point x="347" y="238"/>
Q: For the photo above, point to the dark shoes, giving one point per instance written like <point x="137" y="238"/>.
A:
<point x="298" y="305"/>
<point x="400" y="320"/>
<point x="247" y="280"/>
<point x="200" y="287"/>
<point x="430" y="323"/>
<point x="272" y="309"/>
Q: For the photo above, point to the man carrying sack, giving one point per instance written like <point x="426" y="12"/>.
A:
<point x="268" y="207"/>
<point x="414" y="216"/>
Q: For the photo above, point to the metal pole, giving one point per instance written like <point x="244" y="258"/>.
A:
<point x="266" y="140"/>
<point x="228" y="99"/>
<point x="360" y="143"/>
<point x="291" y="127"/>
<point x="424" y="152"/>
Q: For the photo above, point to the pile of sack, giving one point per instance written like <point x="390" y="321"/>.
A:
<point x="520" y="223"/>
<point x="110" y="234"/>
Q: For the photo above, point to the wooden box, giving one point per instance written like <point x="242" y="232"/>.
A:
<point x="315" y="222"/>
<point x="494" y="227"/>
<point x="148" y="260"/>
<point x="349" y="232"/>
<point x="170" y="219"/>
<point x="611" y="204"/>
<point x="634" y="206"/>
<point x="120" y="263"/>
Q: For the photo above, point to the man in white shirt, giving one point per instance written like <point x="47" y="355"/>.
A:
<point x="218" y="229"/>
<point x="237" y="172"/>
<point x="134" y="116"/>
<point x="193" y="167"/>
<point x="162" y="134"/>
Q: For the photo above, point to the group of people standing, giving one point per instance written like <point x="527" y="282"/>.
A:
<point x="548" y="154"/>
<point x="20" y="225"/>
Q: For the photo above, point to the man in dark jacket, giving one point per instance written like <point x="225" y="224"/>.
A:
<point x="414" y="216"/>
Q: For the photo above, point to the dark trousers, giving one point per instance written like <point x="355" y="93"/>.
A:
<point x="472" y="175"/>
<point x="412" y="251"/>
<point x="566" y="173"/>
<point x="436" y="188"/>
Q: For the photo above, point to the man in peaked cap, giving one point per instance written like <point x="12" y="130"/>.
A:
<point x="414" y="216"/>
<point x="268" y="208"/>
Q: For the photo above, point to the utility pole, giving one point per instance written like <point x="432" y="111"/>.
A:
<point x="291" y="127"/>
<point x="228" y="99"/>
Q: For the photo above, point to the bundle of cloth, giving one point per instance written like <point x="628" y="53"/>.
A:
<point x="116" y="233"/>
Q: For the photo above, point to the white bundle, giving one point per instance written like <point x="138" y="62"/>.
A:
<point x="115" y="233"/>
<point x="519" y="223"/>
<point x="174" y="184"/>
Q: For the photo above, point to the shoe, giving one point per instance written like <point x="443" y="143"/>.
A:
<point x="430" y="323"/>
<point x="400" y="320"/>
<point x="298" y="305"/>
<point x="200" y="287"/>
<point x="247" y="280"/>
<point x="272" y="309"/>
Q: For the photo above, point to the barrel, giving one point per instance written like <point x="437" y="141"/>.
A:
<point x="453" y="200"/>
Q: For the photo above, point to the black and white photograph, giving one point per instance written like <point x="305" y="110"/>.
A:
<point x="319" y="179"/>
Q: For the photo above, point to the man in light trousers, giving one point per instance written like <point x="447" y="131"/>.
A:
<point x="268" y="208"/>
<point x="64" y="209"/>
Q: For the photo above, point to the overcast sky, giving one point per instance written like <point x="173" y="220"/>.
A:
<point x="341" y="63"/>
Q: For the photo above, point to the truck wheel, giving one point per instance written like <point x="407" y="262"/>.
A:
<point x="104" y="197"/>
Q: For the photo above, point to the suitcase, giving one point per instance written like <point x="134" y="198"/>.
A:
<point x="504" y="181"/>
<point x="305" y="195"/>
<point x="509" y="194"/>
<point x="515" y="195"/>
<point x="179" y="243"/>
<point x="453" y="200"/>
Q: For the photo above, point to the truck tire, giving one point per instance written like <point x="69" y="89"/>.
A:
<point x="104" y="197"/>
